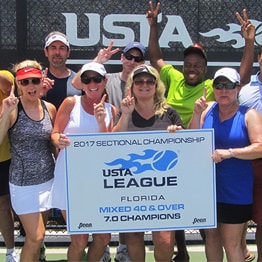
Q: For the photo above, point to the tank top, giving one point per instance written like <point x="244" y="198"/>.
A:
<point x="234" y="177"/>
<point x="32" y="162"/>
<point x="82" y="122"/>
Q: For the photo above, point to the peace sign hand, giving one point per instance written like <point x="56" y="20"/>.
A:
<point x="105" y="54"/>
<point x="247" y="28"/>
<point x="152" y="14"/>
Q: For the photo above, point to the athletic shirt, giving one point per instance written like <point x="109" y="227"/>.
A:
<point x="234" y="177"/>
<point x="82" y="122"/>
<point x="157" y="122"/>
<point x="250" y="95"/>
<point x="5" y="146"/>
<point x="61" y="89"/>
<point x="32" y="162"/>
<point x="115" y="88"/>
<point x="181" y="96"/>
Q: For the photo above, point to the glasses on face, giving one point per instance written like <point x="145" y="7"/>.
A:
<point x="229" y="86"/>
<point x="32" y="81"/>
<point x="87" y="80"/>
<point x="130" y="57"/>
<point x="141" y="82"/>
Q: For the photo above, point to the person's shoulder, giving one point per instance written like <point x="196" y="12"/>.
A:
<point x="170" y="69"/>
<point x="113" y="76"/>
<point x="50" y="107"/>
<point x="71" y="73"/>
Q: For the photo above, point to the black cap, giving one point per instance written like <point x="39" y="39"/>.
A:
<point x="143" y="69"/>
<point x="197" y="49"/>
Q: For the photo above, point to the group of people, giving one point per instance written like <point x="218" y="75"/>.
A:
<point x="40" y="106"/>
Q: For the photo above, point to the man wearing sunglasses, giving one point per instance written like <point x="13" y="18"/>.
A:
<point x="132" y="56"/>
<point x="57" y="50"/>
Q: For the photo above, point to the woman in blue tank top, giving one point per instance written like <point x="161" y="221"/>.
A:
<point x="238" y="140"/>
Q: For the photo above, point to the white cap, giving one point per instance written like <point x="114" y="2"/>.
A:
<point x="229" y="73"/>
<point x="94" y="66"/>
<point x="56" y="36"/>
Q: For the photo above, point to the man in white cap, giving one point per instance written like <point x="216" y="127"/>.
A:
<point x="57" y="50"/>
<point x="6" y="213"/>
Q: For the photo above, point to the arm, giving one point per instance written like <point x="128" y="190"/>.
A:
<point x="254" y="127"/>
<point x="254" y="150"/>
<point x="248" y="31"/>
<point x="154" y="50"/>
<point x="8" y="114"/>
<point x="76" y="81"/>
<point x="200" y="109"/>
<point x="59" y="140"/>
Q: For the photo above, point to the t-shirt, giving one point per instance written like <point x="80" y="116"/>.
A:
<point x="181" y="96"/>
<point x="61" y="89"/>
<point x="115" y="88"/>
<point x="251" y="94"/>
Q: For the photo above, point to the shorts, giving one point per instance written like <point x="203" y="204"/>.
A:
<point x="257" y="191"/>
<point x="233" y="214"/>
<point x="4" y="177"/>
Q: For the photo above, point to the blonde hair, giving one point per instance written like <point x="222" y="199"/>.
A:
<point x="160" y="105"/>
<point x="27" y="63"/>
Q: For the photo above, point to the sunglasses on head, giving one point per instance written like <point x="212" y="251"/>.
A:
<point x="32" y="81"/>
<point x="87" y="80"/>
<point x="130" y="57"/>
<point x="229" y="86"/>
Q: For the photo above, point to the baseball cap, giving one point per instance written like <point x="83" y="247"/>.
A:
<point x="197" y="49"/>
<point x="93" y="66"/>
<point x="56" y="36"/>
<point x="143" y="69"/>
<point x="229" y="73"/>
<point x="136" y="45"/>
<point x="7" y="75"/>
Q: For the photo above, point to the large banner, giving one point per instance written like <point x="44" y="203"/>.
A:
<point x="140" y="181"/>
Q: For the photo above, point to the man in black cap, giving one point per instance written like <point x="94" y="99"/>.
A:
<point x="184" y="88"/>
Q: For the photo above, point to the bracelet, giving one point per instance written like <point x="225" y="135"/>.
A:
<point x="231" y="152"/>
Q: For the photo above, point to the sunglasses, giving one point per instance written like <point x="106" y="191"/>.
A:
<point x="228" y="86"/>
<point x="130" y="57"/>
<point x="32" y="81"/>
<point x="141" y="82"/>
<point x="95" y="79"/>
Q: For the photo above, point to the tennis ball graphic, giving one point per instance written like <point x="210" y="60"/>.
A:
<point x="164" y="160"/>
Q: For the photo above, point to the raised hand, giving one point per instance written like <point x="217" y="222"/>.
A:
<point x="10" y="102"/>
<point x="105" y="54"/>
<point x="201" y="103"/>
<point x="47" y="82"/>
<point x="247" y="28"/>
<point x="128" y="103"/>
<point x="152" y="14"/>
<point x="99" y="110"/>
